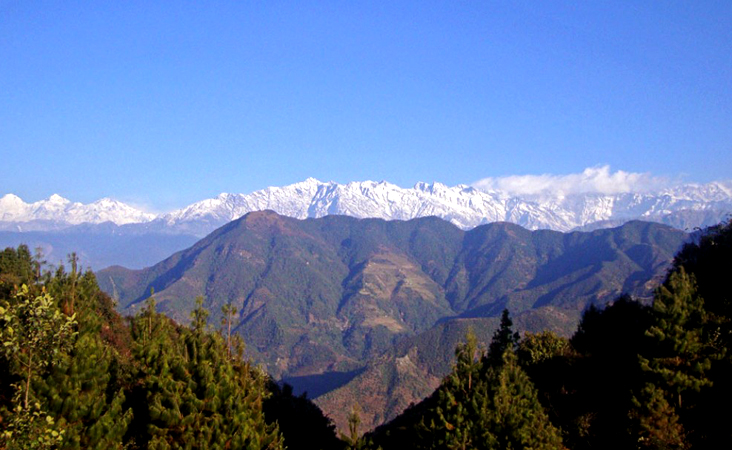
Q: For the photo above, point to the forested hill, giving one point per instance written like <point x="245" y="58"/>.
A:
<point x="354" y="305"/>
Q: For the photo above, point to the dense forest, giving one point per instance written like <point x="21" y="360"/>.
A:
<point x="75" y="374"/>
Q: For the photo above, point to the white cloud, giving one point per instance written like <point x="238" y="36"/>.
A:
<point x="598" y="180"/>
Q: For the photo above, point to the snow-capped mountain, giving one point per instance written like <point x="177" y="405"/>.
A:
<point x="465" y="206"/>
<point x="60" y="211"/>
<point x="684" y="206"/>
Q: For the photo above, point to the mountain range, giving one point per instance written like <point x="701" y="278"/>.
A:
<point x="58" y="212"/>
<point x="369" y="310"/>
<point x="109" y="232"/>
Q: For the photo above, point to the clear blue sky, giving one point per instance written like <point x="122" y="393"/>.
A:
<point x="167" y="103"/>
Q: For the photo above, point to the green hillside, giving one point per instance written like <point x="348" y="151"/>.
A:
<point x="334" y="296"/>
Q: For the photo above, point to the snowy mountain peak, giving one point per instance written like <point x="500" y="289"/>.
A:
<point x="10" y="199"/>
<point x="683" y="206"/>
<point x="60" y="210"/>
<point x="463" y="205"/>
<point x="57" y="199"/>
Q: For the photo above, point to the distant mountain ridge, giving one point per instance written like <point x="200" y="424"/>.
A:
<point x="109" y="232"/>
<point x="59" y="211"/>
<point x="686" y="206"/>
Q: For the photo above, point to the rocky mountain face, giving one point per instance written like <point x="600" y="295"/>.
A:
<point x="369" y="310"/>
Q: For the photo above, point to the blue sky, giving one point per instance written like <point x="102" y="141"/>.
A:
<point x="165" y="103"/>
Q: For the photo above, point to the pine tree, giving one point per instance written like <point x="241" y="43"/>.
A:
<point x="490" y="403"/>
<point x="228" y="312"/>
<point x="354" y="440"/>
<point x="503" y="339"/>
<point x="81" y="390"/>
<point x="682" y="360"/>
<point x="196" y="396"/>
<point x="512" y="416"/>
<point x="707" y="260"/>
<point x="299" y="420"/>
<point x="458" y="398"/>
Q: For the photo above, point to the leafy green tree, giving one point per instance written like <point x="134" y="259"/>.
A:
<point x="34" y="335"/>
<point x="536" y="348"/>
<point x="17" y="268"/>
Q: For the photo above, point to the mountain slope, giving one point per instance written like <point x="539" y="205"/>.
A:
<point x="332" y="296"/>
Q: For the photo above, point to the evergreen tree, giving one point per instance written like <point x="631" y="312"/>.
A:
<point x="74" y="376"/>
<point x="681" y="360"/>
<point x="512" y="417"/>
<point x="154" y="353"/>
<point x="707" y="261"/>
<point x="83" y="391"/>
<point x="458" y="398"/>
<point x="228" y="312"/>
<point x="594" y="398"/>
<point x="195" y="395"/>
<point x="489" y="403"/>
<point x="354" y="440"/>
<point x="504" y="339"/>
